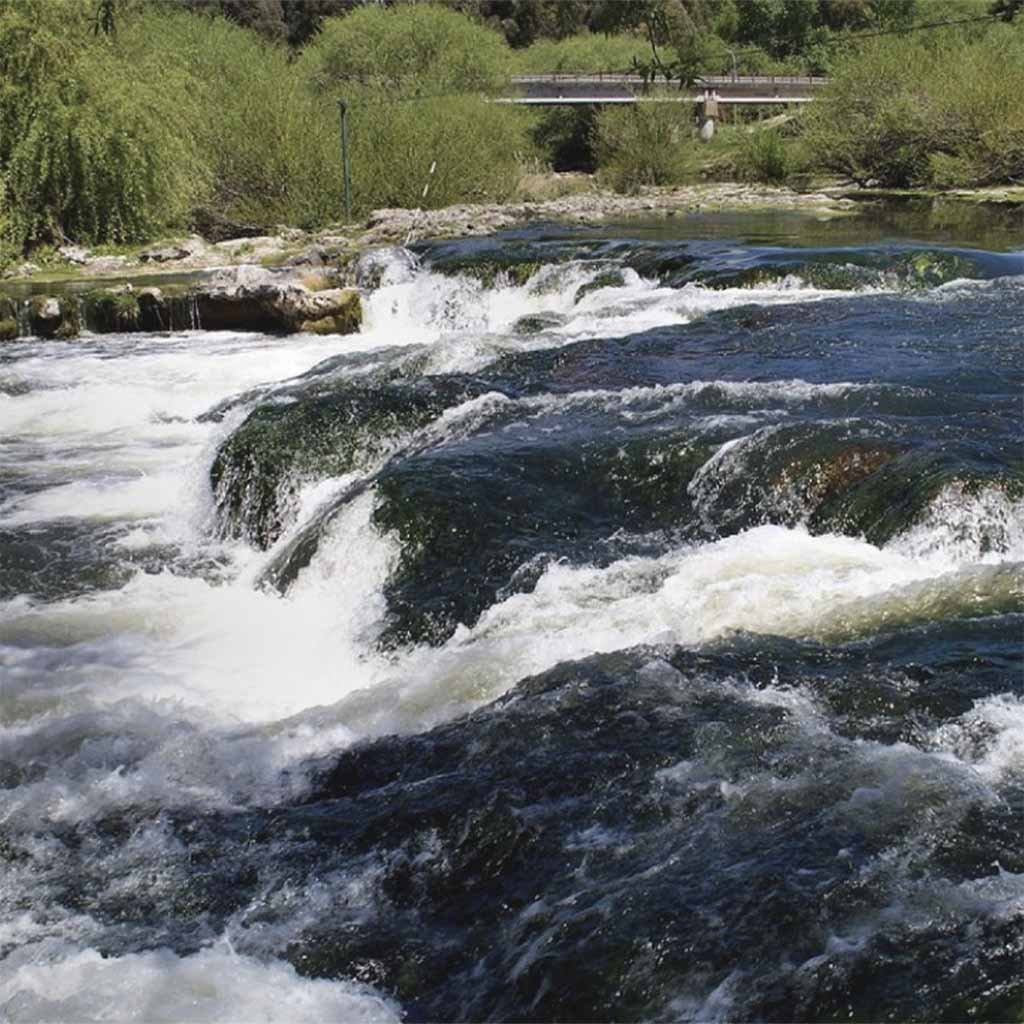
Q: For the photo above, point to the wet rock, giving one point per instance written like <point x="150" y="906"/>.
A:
<point x="8" y="329"/>
<point x="44" y="316"/>
<point x="255" y="299"/>
<point x="607" y="279"/>
<point x="370" y="268"/>
<point x="152" y="310"/>
<point x="537" y="323"/>
<point x="111" y="310"/>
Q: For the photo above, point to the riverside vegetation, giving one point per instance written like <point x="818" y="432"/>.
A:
<point x="127" y="120"/>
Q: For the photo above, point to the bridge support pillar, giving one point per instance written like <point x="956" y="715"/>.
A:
<point x="708" y="115"/>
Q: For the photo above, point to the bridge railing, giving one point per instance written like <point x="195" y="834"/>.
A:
<point x="619" y="78"/>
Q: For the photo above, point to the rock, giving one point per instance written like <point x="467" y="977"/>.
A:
<point x="606" y="279"/>
<point x="188" y="249"/>
<point x="370" y="268"/>
<point x="152" y="310"/>
<point x="314" y="256"/>
<point x="250" y="298"/>
<point x="76" y="254"/>
<point x="341" y="312"/>
<point x="8" y="329"/>
<point x="254" y="248"/>
<point x="25" y="270"/>
<point x="111" y="310"/>
<point x="538" y="322"/>
<point x="44" y="316"/>
<point x="106" y="264"/>
<point x="289" y="234"/>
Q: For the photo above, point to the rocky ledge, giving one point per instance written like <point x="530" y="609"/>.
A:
<point x="244" y="298"/>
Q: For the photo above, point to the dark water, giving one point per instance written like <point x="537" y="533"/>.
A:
<point x="627" y="626"/>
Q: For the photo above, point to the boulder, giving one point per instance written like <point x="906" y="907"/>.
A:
<point x="75" y="254"/>
<point x="8" y="329"/>
<point x="44" y="316"/>
<point x="250" y="298"/>
<point x="371" y="268"/>
<point x="187" y="249"/>
<point x="339" y="309"/>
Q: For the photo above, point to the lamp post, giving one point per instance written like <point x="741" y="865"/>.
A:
<point x="732" y="53"/>
<point x="343" y="110"/>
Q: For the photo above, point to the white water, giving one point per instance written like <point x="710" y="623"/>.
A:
<point x="193" y="689"/>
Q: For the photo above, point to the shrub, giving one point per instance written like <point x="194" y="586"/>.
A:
<point x="476" y="147"/>
<point x="422" y="49"/>
<point x="642" y="145"/>
<point x="95" y="147"/>
<point x="581" y="53"/>
<point x="271" y="147"/>
<point x="768" y="154"/>
<point x="412" y="77"/>
<point x="944" y="111"/>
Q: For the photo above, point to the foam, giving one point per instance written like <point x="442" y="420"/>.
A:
<point x="214" y="984"/>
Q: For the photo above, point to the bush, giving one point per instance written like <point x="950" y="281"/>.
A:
<point x="642" y="145"/>
<point x="476" y="146"/>
<point x="944" y="112"/>
<point x="421" y="50"/>
<point x="581" y="53"/>
<point x="412" y="78"/>
<point x="270" y="145"/>
<point x="95" y="148"/>
<point x="767" y="154"/>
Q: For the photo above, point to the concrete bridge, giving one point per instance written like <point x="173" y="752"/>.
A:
<point x="604" y="88"/>
<point x="710" y="92"/>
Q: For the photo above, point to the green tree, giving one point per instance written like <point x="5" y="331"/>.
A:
<point x="412" y="50"/>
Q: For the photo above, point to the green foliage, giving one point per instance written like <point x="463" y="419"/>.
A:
<point x="935" y="110"/>
<point x="94" y="147"/>
<point x="412" y="77"/>
<point x="643" y="145"/>
<point x="564" y="135"/>
<point x="475" y="148"/>
<point x="588" y="52"/>
<point x="418" y="50"/>
<point x="767" y="154"/>
<point x="271" y="146"/>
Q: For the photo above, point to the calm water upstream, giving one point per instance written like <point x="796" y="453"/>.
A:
<point x="627" y="625"/>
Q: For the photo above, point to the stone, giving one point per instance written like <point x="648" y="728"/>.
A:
<point x="106" y="264"/>
<point x="187" y="249"/>
<point x="254" y="248"/>
<point x="251" y="298"/>
<point x="370" y="267"/>
<point x="76" y="254"/>
<point x="341" y="310"/>
<point x="44" y="316"/>
<point x="8" y="329"/>
<point x="314" y="256"/>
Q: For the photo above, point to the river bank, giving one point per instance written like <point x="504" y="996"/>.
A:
<point x="295" y="280"/>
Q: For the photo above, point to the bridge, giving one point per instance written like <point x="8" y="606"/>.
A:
<point x="605" y="88"/>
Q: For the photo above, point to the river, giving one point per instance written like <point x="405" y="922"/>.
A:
<point x="627" y="624"/>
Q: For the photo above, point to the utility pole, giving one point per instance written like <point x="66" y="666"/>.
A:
<point x="343" y="109"/>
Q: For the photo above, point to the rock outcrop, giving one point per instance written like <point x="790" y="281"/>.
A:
<point x="253" y="298"/>
<point x="246" y="298"/>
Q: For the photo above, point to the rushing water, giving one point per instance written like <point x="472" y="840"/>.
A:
<point x="626" y="625"/>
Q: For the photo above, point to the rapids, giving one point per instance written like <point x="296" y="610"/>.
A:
<point x="626" y="625"/>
